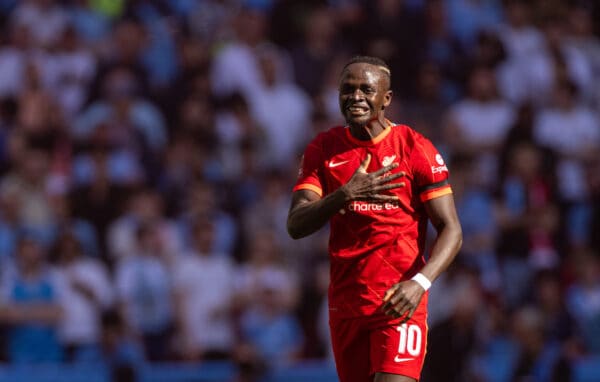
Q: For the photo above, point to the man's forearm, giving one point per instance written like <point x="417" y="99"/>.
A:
<point x="445" y="247"/>
<point x="309" y="212"/>
<point x="309" y="216"/>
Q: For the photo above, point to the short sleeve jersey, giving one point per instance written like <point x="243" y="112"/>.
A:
<point x="374" y="245"/>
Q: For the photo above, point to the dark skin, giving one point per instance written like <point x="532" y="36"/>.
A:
<point x="364" y="95"/>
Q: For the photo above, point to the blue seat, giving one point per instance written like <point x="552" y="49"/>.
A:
<point x="313" y="371"/>
<point x="184" y="372"/>
<point x="53" y="373"/>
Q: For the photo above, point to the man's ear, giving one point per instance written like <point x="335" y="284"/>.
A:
<point x="387" y="100"/>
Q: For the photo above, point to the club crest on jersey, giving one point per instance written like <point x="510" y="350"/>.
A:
<point x="439" y="159"/>
<point x="388" y="160"/>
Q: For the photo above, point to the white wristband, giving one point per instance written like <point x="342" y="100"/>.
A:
<point x="422" y="280"/>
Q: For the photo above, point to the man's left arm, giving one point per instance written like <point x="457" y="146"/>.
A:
<point x="402" y="299"/>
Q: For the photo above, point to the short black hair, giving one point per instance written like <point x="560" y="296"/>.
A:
<point x="375" y="61"/>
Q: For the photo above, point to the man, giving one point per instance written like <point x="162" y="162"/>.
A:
<point x="377" y="183"/>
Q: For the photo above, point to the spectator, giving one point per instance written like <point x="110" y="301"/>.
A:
<point x="235" y="69"/>
<point x="572" y="144"/>
<point x="28" y="183"/>
<point x="524" y="353"/>
<point x="186" y="158"/>
<point x="45" y="19"/>
<point x="280" y="107"/>
<point x="209" y="20"/>
<point x="203" y="202"/>
<point x="521" y="40"/>
<point x="204" y="311"/>
<point x="68" y="72"/>
<point x="425" y="111"/>
<point x="236" y="127"/>
<point x="118" y="350"/>
<point x="270" y="209"/>
<point x="582" y="38"/>
<point x="101" y="200"/>
<point x="557" y="62"/>
<point x="192" y="81"/>
<point x="457" y="333"/>
<point x="464" y="132"/>
<point x="38" y="113"/>
<point x="145" y="207"/>
<point x="518" y="34"/>
<point x="158" y="54"/>
<point x="10" y="226"/>
<point x="395" y="33"/>
<point x="88" y="292"/>
<point x="468" y="18"/>
<point x="262" y="266"/>
<point x="536" y="355"/>
<point x="527" y="218"/>
<point x="583" y="301"/>
<point x="14" y="54"/>
<point x="593" y="233"/>
<point x="103" y="161"/>
<point x="64" y="220"/>
<point x="322" y="285"/>
<point x="32" y="298"/>
<point x="475" y="207"/>
<point x="316" y="50"/>
<point x="549" y="298"/>
<point x="145" y="291"/>
<point x="123" y="48"/>
<point x="133" y="124"/>
<point x="92" y="26"/>
<point x="442" y="48"/>
<point x="269" y="326"/>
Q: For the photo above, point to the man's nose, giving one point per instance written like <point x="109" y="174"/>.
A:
<point x="357" y="94"/>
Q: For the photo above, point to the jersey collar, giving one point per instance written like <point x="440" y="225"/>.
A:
<point x="374" y="141"/>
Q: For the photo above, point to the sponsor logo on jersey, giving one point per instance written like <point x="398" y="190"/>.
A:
<point x="398" y="359"/>
<point x="357" y="206"/>
<point x="388" y="160"/>
<point x="438" y="169"/>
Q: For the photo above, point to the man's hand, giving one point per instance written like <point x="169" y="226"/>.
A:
<point x="402" y="299"/>
<point x="371" y="186"/>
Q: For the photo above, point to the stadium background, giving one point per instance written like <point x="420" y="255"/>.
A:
<point x="147" y="154"/>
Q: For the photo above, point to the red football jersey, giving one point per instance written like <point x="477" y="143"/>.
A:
<point x="373" y="246"/>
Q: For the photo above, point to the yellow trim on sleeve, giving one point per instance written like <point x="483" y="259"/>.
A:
<point x="428" y="195"/>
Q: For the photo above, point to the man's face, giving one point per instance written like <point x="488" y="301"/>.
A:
<point x="364" y="93"/>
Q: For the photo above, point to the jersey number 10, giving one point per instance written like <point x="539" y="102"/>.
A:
<point x="410" y="339"/>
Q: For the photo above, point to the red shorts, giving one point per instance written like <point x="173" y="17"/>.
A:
<point x="363" y="348"/>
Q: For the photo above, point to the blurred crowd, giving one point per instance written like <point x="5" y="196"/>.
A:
<point x="148" y="149"/>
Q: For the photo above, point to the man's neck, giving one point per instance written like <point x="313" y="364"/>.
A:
<point x="370" y="130"/>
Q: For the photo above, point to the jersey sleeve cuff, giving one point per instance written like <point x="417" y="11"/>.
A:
<point x="435" y="193"/>
<point x="308" y="186"/>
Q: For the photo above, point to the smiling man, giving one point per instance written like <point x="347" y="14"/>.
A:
<point x="377" y="183"/>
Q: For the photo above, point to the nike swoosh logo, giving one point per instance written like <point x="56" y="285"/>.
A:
<point x="332" y="164"/>
<point x="398" y="359"/>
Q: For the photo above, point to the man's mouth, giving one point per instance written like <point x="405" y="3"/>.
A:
<point x="357" y="110"/>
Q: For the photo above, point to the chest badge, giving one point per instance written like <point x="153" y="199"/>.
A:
<point x="388" y="160"/>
